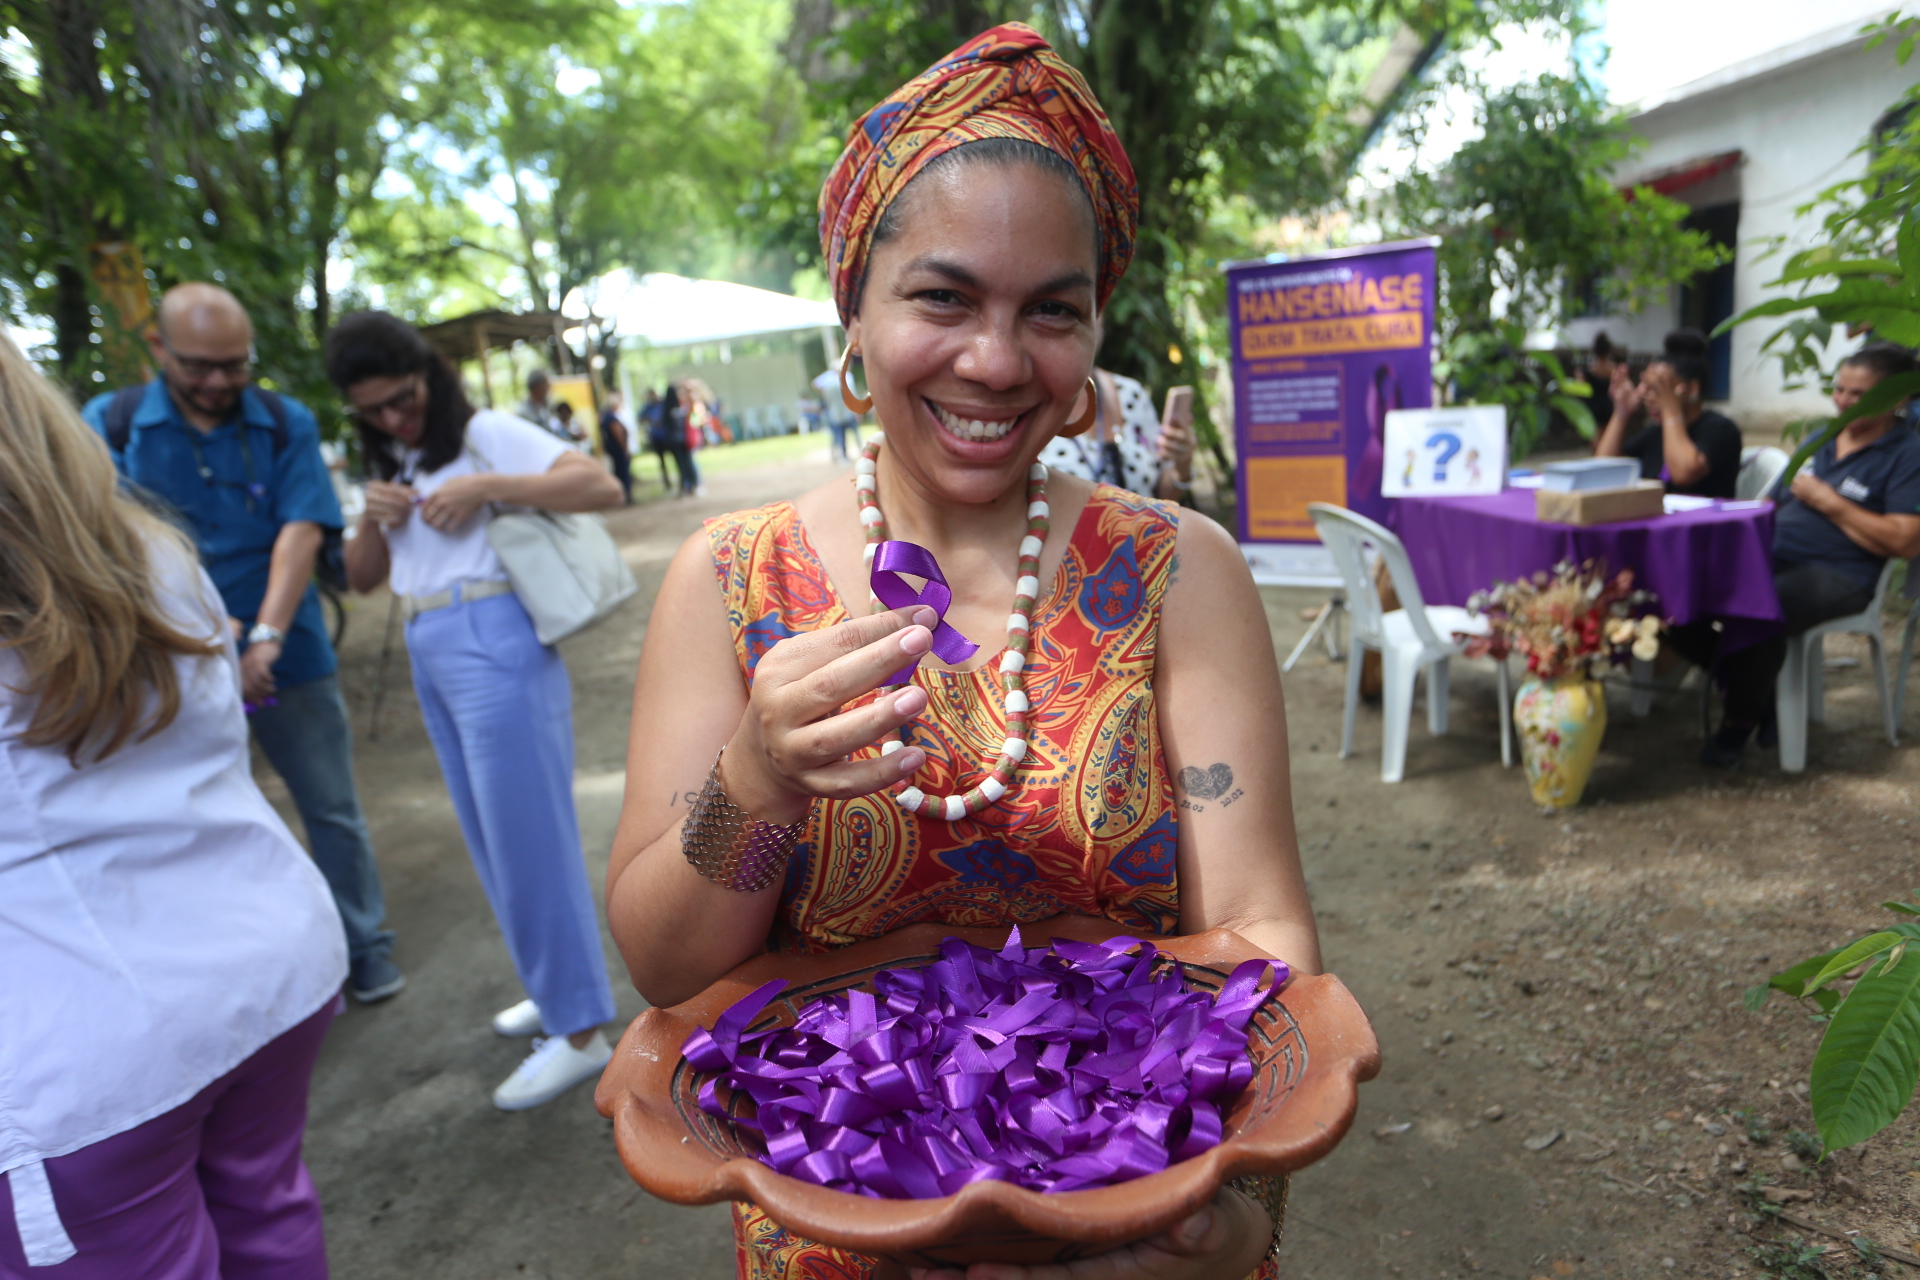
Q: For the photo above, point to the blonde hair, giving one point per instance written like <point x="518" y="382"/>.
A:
<point x="77" y="599"/>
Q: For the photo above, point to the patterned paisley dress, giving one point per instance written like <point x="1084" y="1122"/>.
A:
<point x="1089" y="829"/>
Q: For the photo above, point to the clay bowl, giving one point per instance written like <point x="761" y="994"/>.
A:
<point x="1311" y="1049"/>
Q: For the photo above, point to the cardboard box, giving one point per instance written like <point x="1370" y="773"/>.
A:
<point x="1641" y="500"/>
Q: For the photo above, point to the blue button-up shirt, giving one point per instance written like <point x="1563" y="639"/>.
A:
<point x="236" y="511"/>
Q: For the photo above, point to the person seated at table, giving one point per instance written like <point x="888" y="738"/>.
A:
<point x="1688" y="445"/>
<point x="1116" y="748"/>
<point x="1852" y="507"/>
<point x="1602" y="359"/>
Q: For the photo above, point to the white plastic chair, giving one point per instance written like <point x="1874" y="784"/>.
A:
<point x="1760" y="468"/>
<point x="1801" y="692"/>
<point x="1912" y="592"/>
<point x="1413" y="638"/>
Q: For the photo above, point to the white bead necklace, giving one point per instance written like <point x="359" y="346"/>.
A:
<point x="1012" y="663"/>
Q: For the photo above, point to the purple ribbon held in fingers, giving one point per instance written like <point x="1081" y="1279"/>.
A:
<point x="896" y="558"/>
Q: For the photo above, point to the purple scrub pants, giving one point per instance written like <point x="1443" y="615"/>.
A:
<point x="212" y="1190"/>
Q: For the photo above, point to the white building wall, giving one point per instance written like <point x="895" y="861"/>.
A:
<point x="1797" y="115"/>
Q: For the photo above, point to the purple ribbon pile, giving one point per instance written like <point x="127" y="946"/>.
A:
<point x="1058" y="1068"/>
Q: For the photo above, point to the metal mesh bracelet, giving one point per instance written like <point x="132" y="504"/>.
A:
<point x="1270" y="1193"/>
<point x="727" y="845"/>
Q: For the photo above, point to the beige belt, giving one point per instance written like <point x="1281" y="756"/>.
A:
<point x="414" y="606"/>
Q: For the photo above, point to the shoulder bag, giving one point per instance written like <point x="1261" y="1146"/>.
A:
<point x="564" y="566"/>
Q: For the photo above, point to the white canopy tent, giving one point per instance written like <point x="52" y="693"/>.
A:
<point x="662" y="310"/>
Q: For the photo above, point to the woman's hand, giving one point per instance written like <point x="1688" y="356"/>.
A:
<point x="1626" y="394"/>
<point x="455" y="502"/>
<point x="792" y="744"/>
<point x="1177" y="440"/>
<point x="1661" y="390"/>
<point x="1224" y="1241"/>
<point x="389" y="505"/>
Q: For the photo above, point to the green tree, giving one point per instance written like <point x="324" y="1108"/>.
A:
<point x="1526" y="211"/>
<point x="633" y="145"/>
<point x="1863" y="250"/>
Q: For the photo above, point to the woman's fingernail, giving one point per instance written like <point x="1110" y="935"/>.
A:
<point x="1190" y="1232"/>
<point x="916" y="640"/>
<point x="910" y="703"/>
<point x="910" y="759"/>
<point x="925" y="617"/>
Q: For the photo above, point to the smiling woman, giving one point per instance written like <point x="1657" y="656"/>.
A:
<point x="790" y="786"/>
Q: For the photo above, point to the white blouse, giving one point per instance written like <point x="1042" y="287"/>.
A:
<point x="158" y="923"/>
<point x="424" y="560"/>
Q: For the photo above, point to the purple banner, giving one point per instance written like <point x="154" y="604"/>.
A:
<point x="1323" y="347"/>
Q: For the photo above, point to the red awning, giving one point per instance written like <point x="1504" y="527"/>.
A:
<point x="1692" y="173"/>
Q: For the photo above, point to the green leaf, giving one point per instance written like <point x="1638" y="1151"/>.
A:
<point x="1903" y="51"/>
<point x="1904" y="908"/>
<point x="1894" y="958"/>
<point x="1863" y="1073"/>
<point x="1801" y="269"/>
<point x="1794" y="981"/>
<point x="1908" y="246"/>
<point x="1755" y="998"/>
<point x="1577" y="412"/>
<point x="1775" y="307"/>
<point x="1577" y="387"/>
<point x="1848" y="958"/>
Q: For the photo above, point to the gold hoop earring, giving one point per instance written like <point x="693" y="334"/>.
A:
<point x="1084" y="423"/>
<point x="847" y="397"/>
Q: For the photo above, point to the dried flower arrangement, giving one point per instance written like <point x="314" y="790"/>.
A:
<point x="1567" y="622"/>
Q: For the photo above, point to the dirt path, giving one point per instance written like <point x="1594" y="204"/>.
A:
<point x="1581" y="975"/>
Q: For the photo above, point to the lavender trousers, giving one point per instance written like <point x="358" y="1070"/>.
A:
<point x="212" y="1190"/>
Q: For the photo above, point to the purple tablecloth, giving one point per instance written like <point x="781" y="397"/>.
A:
<point x="1710" y="563"/>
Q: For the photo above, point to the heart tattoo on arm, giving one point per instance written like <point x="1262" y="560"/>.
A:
<point x="1215" y="783"/>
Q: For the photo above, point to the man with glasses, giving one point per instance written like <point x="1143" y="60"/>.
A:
<point x="242" y="468"/>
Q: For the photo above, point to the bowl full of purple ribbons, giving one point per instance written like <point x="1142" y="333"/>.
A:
<point x="945" y="1095"/>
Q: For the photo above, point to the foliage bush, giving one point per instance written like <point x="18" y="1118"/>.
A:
<point x="1864" y="1071"/>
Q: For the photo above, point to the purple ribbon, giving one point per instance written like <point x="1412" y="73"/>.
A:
<point x="896" y="558"/>
<point x="1070" y="1066"/>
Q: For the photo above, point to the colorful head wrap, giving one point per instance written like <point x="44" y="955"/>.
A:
<point x="1003" y="83"/>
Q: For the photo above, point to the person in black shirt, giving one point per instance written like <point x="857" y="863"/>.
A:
<point x="1692" y="448"/>
<point x="1602" y="360"/>
<point x="1854" y="506"/>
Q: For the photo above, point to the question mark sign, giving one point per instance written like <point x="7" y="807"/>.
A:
<point x="1448" y="444"/>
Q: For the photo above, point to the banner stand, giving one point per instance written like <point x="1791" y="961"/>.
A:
<point x="1324" y="346"/>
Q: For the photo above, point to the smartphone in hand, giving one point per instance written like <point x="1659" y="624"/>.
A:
<point x="1178" y="408"/>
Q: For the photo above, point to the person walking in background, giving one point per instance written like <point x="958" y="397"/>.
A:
<point x="680" y="437"/>
<point x="172" y="959"/>
<point x="537" y="408"/>
<point x="243" y="469"/>
<point x="613" y="438"/>
<point x="496" y="701"/>
<point x="659" y="424"/>
<point x="840" y="419"/>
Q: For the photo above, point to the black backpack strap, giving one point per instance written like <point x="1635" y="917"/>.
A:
<point x="118" y="417"/>
<point x="277" y="410"/>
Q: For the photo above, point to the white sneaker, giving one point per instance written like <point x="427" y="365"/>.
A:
<point x="553" y="1067"/>
<point x="521" y="1020"/>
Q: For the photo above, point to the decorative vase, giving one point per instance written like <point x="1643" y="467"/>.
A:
<point x="1560" y="723"/>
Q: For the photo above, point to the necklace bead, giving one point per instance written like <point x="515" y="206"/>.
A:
<point x="1000" y="777"/>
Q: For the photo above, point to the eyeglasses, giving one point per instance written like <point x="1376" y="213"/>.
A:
<point x="401" y="402"/>
<point x="194" y="369"/>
